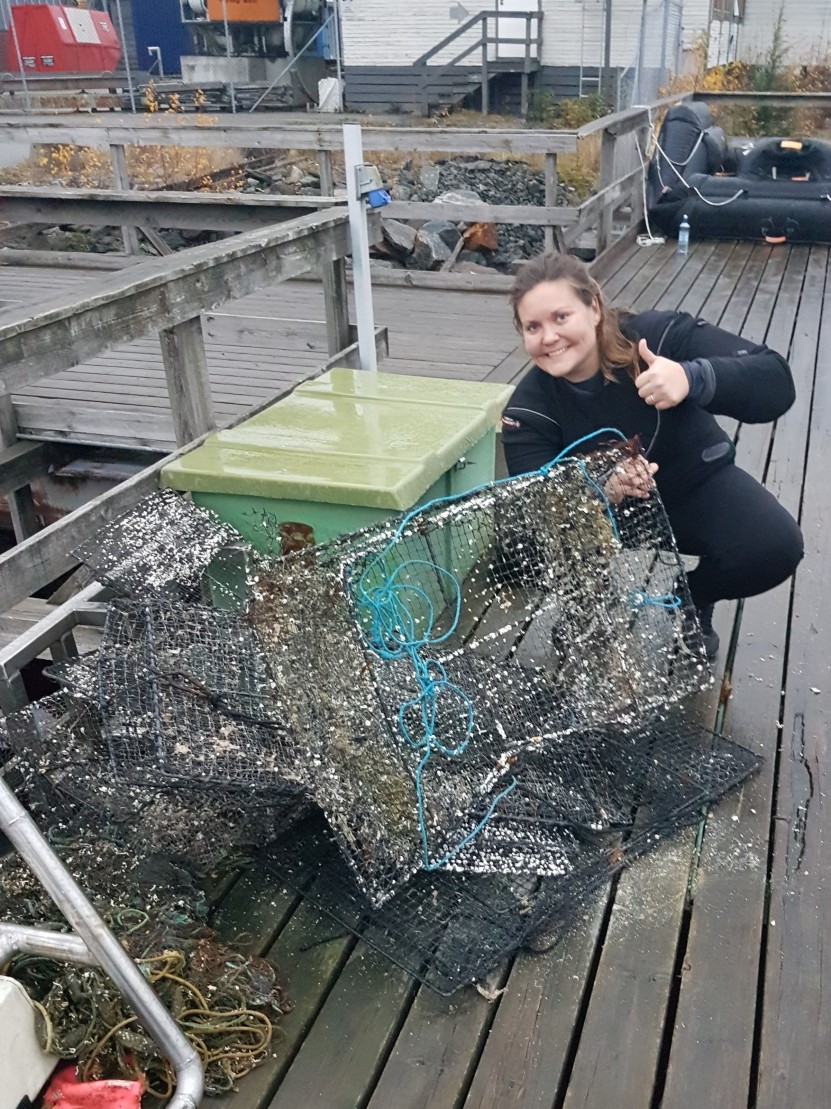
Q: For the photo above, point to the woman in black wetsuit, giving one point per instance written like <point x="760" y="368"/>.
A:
<point x="663" y="376"/>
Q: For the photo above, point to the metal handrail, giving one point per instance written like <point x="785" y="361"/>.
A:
<point x="481" y="44"/>
<point x="92" y="944"/>
<point x="480" y="17"/>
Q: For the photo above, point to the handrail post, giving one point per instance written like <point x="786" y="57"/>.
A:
<point x="121" y="180"/>
<point x="526" y="67"/>
<point x="551" y="181"/>
<point x="21" y="504"/>
<point x="607" y="176"/>
<point x="485" y="74"/>
<point x="188" y="383"/>
<point x="335" y="296"/>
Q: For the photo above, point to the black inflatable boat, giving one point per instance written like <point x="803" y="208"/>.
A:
<point x="773" y="189"/>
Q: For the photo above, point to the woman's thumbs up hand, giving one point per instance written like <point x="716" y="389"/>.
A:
<point x="663" y="384"/>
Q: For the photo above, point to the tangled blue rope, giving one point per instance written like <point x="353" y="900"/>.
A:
<point x="388" y="601"/>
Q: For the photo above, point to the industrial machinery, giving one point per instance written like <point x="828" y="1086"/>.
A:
<point x="281" y="45"/>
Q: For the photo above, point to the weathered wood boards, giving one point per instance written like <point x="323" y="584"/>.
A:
<point x="161" y="293"/>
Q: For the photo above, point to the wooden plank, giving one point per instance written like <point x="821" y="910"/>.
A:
<point x="531" y="215"/>
<point x="310" y="951"/>
<point x="676" y="277"/>
<point x="24" y="616"/>
<point x="722" y="956"/>
<point x="70" y="330"/>
<point x="796" y="986"/>
<point x="121" y="180"/>
<point x="341" y="1055"/>
<point x="20" y="463"/>
<point x="511" y="368"/>
<point x="65" y="259"/>
<point x="25" y="520"/>
<point x="333" y="274"/>
<point x="188" y="384"/>
<point x="270" y="132"/>
<point x="526" y="1055"/>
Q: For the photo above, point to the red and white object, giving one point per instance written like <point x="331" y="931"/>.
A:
<point x="55" y="39"/>
<point x="24" y="1065"/>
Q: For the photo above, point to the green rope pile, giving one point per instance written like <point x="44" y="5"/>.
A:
<point x="227" y="1005"/>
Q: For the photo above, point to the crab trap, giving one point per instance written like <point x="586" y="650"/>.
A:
<point x="479" y="697"/>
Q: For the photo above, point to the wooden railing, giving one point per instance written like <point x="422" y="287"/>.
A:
<point x="165" y="295"/>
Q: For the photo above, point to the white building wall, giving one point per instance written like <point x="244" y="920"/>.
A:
<point x="696" y="20"/>
<point x="806" y="30"/>
<point x="396" y="32"/>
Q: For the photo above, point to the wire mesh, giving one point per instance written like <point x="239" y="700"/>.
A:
<point x="449" y="929"/>
<point x="162" y="546"/>
<point x="418" y="722"/>
<point x="63" y="760"/>
<point x="185" y="693"/>
<point x="475" y="695"/>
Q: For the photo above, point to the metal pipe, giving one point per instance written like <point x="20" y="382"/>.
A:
<point x="127" y="70"/>
<point x="18" y="939"/>
<point x="16" y="41"/>
<point x="338" y="60"/>
<point x="228" y="56"/>
<point x="102" y="946"/>
<point x="353" y="155"/>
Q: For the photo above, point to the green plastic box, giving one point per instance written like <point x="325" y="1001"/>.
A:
<point x="343" y="451"/>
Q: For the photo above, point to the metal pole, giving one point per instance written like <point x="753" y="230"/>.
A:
<point x="353" y="155"/>
<point x="228" y="56"/>
<point x="338" y="59"/>
<point x="607" y="53"/>
<point x="125" y="52"/>
<point x="102" y="946"/>
<point x="16" y="41"/>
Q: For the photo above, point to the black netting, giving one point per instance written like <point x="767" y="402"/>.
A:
<point x="63" y="760"/>
<point x="162" y="546"/>
<point x="449" y="928"/>
<point x="185" y="692"/>
<point x="476" y="696"/>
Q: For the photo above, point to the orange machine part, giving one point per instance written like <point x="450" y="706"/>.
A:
<point x="244" y="11"/>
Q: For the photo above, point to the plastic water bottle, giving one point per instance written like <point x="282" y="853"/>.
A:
<point x="684" y="236"/>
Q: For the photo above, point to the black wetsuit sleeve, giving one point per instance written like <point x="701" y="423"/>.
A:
<point x="530" y="439"/>
<point x="752" y="382"/>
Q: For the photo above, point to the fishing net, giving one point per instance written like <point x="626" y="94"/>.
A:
<point x="162" y="546"/>
<point x="448" y="648"/>
<point x="63" y="766"/>
<point x="451" y="927"/>
<point x="478" y="696"/>
<point x="186" y="693"/>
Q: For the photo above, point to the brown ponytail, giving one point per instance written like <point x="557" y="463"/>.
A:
<point x="616" y="351"/>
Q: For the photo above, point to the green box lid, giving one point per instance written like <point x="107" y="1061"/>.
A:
<point x="347" y="437"/>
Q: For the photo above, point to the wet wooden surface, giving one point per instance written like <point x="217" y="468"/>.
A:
<point x="700" y="980"/>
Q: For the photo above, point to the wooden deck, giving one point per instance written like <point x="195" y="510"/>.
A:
<point x="257" y="347"/>
<point x="701" y="979"/>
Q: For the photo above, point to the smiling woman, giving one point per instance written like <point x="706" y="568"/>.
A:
<point x="659" y="378"/>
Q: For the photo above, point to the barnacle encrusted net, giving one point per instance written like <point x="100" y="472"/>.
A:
<point x="450" y="927"/>
<point x="448" y="647"/>
<point x="185" y="692"/>
<point x="164" y="546"/>
<point x="475" y="695"/>
<point x="62" y="762"/>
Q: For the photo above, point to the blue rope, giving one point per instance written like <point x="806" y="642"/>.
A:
<point x="661" y="600"/>
<point x="391" y="631"/>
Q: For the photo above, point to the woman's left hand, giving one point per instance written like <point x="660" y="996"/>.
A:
<point x="663" y="384"/>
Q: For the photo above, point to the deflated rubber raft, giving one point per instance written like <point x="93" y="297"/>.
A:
<point x="774" y="189"/>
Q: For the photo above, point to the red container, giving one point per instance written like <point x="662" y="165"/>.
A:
<point x="65" y="40"/>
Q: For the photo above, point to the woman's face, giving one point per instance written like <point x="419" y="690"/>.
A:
<point x="559" y="331"/>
